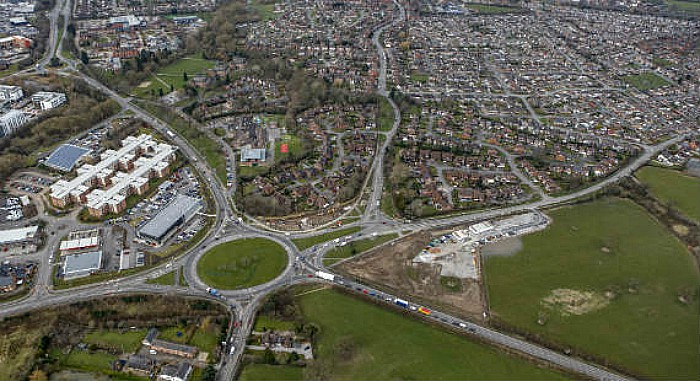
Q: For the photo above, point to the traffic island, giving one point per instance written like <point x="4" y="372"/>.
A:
<point x="242" y="263"/>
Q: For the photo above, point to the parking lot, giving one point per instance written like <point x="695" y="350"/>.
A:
<point x="182" y="181"/>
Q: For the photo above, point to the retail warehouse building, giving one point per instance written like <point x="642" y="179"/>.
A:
<point x="169" y="219"/>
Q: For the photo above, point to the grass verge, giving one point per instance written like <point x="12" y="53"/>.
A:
<point x="307" y="242"/>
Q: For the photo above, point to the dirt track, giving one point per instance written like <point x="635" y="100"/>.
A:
<point x="390" y="267"/>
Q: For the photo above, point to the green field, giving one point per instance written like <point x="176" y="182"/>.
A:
<point x="305" y="243"/>
<point x="293" y="145"/>
<point x="673" y="187"/>
<point x="173" y="74"/>
<point x="265" y="10"/>
<point x="645" y="81"/>
<point x="262" y="322"/>
<point x="264" y="372"/>
<point x="167" y="279"/>
<point x="690" y="7"/>
<point x="359" y="246"/>
<point x="623" y="275"/>
<point x="90" y="361"/>
<point x="362" y="341"/>
<point x="125" y="342"/>
<point x="385" y="115"/>
<point x="242" y="263"/>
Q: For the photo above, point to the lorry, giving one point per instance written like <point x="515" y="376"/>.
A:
<point x="325" y="275"/>
<point x="213" y="291"/>
<point x="401" y="303"/>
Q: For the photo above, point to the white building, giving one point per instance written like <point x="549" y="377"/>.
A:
<point x="10" y="93"/>
<point x="47" y="100"/>
<point x="11" y="121"/>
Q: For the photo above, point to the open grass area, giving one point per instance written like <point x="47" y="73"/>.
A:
<point x="645" y="81"/>
<point x="291" y="143"/>
<point x="385" y="115"/>
<point x="264" y="372"/>
<point x="607" y="280"/>
<point x="202" y="337"/>
<point x="359" y="246"/>
<point x="690" y="7"/>
<point x="242" y="263"/>
<point x="361" y="341"/>
<point x="173" y="75"/>
<point x="265" y="10"/>
<point x="263" y="322"/>
<point x="167" y="279"/>
<point x="90" y="361"/>
<point x="307" y="242"/>
<point x="125" y="342"/>
<point x="673" y="187"/>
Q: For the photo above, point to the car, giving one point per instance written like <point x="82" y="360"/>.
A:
<point x="462" y="325"/>
<point x="472" y="330"/>
<point x="365" y="292"/>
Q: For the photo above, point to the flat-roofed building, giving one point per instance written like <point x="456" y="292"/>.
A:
<point x="47" y="100"/>
<point x="10" y="93"/>
<point x="81" y="265"/>
<point x="19" y="241"/>
<point x="177" y="213"/>
<point x="252" y="156"/>
<point x="65" y="157"/>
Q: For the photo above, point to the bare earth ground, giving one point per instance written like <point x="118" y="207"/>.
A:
<point x="390" y="268"/>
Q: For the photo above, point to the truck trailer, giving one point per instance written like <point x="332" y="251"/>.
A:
<point x="325" y="275"/>
<point x="401" y="303"/>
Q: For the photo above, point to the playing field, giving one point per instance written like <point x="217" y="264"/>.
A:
<point x="362" y="341"/>
<point x="674" y="187"/>
<point x="608" y="280"/>
<point x="645" y="81"/>
<point x="125" y="342"/>
<point x="173" y="75"/>
<point x="242" y="263"/>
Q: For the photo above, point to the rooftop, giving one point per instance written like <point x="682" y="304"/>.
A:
<point x="65" y="157"/>
<point x="169" y="216"/>
<point x="81" y="263"/>
<point x="17" y="235"/>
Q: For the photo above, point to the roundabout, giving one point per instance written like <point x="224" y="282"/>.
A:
<point x="242" y="263"/>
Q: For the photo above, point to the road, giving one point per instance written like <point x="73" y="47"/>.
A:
<point x="227" y="227"/>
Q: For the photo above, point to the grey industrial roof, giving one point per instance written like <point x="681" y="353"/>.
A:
<point x="160" y="225"/>
<point x="83" y="262"/>
<point x="252" y="154"/>
<point x="65" y="157"/>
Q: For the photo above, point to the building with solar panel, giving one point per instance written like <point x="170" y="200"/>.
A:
<point x="66" y="157"/>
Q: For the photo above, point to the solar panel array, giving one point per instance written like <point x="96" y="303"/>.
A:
<point x="65" y="157"/>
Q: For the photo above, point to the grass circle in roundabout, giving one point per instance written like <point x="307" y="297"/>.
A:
<point x="242" y="263"/>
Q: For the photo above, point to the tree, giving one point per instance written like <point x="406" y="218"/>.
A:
<point x="84" y="57"/>
<point x="209" y="373"/>
<point x="160" y="91"/>
<point x="269" y="357"/>
<point x="184" y="76"/>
